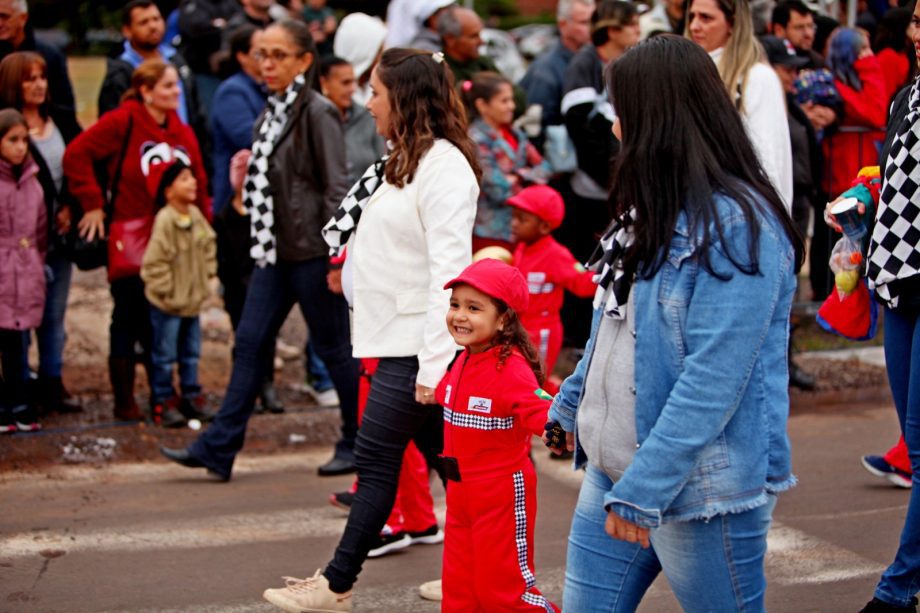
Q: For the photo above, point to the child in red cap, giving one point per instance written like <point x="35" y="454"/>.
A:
<point x="180" y="259"/>
<point x="492" y="407"/>
<point x="549" y="268"/>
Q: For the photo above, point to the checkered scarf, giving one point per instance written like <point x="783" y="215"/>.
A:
<point x="256" y="189"/>
<point x="613" y="283"/>
<point x="338" y="230"/>
<point x="894" y="252"/>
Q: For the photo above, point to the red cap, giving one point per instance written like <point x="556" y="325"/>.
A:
<point x="541" y="200"/>
<point x="498" y="280"/>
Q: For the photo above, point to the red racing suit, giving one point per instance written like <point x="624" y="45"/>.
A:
<point x="550" y="269"/>
<point x="491" y="410"/>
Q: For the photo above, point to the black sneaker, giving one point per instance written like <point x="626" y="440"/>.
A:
<point x="880" y="606"/>
<point x="26" y="419"/>
<point x="7" y="423"/>
<point x="430" y="536"/>
<point x="196" y="407"/>
<point x="388" y="543"/>
<point x="342" y="500"/>
<point x="166" y="415"/>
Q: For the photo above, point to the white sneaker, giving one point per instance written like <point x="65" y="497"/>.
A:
<point x="311" y="594"/>
<point x="431" y="591"/>
<point x="328" y="398"/>
<point x="388" y="543"/>
<point x="286" y="351"/>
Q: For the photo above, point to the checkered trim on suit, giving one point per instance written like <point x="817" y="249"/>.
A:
<point x="894" y="251"/>
<point x="477" y="422"/>
<point x="257" y="193"/>
<point x="337" y="230"/>
<point x="520" y="540"/>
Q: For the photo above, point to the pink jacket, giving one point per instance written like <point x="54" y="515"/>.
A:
<point x="23" y="244"/>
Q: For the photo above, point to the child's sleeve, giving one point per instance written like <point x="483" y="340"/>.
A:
<point x="573" y="276"/>
<point x="156" y="268"/>
<point x="530" y="404"/>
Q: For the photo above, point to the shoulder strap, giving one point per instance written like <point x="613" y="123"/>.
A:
<point x="113" y="191"/>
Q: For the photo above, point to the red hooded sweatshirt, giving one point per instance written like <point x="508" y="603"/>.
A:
<point x="148" y="142"/>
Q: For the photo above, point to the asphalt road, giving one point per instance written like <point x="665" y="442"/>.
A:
<point x="155" y="537"/>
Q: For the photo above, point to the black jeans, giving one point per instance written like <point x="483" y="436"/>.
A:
<point x="391" y="419"/>
<point x="130" y="319"/>
<point x="13" y="390"/>
<point x="273" y="290"/>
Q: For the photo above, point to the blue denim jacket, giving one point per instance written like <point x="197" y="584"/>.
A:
<point x="711" y="379"/>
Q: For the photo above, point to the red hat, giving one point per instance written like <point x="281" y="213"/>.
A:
<point x="161" y="175"/>
<point x="541" y="200"/>
<point x="498" y="280"/>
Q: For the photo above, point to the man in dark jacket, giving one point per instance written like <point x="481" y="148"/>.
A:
<point x="202" y="25"/>
<point x="143" y="28"/>
<point x="16" y="34"/>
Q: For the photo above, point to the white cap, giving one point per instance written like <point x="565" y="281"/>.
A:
<point x="427" y="8"/>
<point x="358" y="40"/>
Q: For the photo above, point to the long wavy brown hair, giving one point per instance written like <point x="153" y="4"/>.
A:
<point x="513" y="336"/>
<point x="423" y="107"/>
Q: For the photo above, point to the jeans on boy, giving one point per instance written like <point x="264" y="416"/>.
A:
<point x="175" y="339"/>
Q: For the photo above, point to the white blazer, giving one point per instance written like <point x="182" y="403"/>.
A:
<point x="408" y="244"/>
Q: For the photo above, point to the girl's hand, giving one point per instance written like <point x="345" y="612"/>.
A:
<point x="622" y="530"/>
<point x="424" y="395"/>
<point x="63" y="219"/>
<point x="831" y="221"/>
<point x="92" y="225"/>
<point x="239" y="163"/>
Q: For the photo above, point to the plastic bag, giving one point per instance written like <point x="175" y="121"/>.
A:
<point x="846" y="262"/>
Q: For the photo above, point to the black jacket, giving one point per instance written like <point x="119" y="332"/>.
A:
<point x="60" y="90"/>
<point x="200" y="38"/>
<point x="66" y="121"/>
<point x="308" y="173"/>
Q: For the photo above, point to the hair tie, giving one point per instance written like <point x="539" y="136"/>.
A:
<point x="467" y="85"/>
<point x="438" y="57"/>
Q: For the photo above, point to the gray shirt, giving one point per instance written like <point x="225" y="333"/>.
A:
<point x="607" y="412"/>
<point x="52" y="151"/>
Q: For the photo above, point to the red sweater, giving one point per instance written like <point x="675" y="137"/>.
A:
<point x="550" y="269"/>
<point x="490" y="413"/>
<point x="148" y="141"/>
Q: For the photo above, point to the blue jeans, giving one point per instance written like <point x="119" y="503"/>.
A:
<point x="317" y="372"/>
<point x="714" y="565"/>
<point x="175" y="339"/>
<point x="273" y="290"/>
<point x="51" y="335"/>
<point x="901" y="581"/>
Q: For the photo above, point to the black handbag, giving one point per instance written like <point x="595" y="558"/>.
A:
<point x="92" y="254"/>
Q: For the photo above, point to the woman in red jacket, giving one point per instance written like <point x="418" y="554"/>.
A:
<point x="859" y="79"/>
<point x="127" y="141"/>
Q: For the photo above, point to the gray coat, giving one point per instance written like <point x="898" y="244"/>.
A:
<point x="308" y="175"/>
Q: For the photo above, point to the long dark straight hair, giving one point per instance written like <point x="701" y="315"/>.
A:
<point x="682" y="142"/>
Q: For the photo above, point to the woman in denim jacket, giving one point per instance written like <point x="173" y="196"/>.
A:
<point x="680" y="402"/>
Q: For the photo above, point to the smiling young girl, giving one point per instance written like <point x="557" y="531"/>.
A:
<point x="509" y="162"/>
<point x="23" y="244"/>
<point x="492" y="406"/>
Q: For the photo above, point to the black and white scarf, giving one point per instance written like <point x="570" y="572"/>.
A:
<point x="256" y="190"/>
<point x="613" y="284"/>
<point x="894" y="251"/>
<point x="338" y="230"/>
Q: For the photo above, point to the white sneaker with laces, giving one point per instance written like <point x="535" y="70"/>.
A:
<point x="328" y="398"/>
<point x="308" y="595"/>
<point x="431" y="590"/>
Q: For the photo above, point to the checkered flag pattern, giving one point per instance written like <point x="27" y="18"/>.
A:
<point x="520" y="541"/>
<point x="613" y="284"/>
<point x="894" y="252"/>
<point x="256" y="190"/>
<point x="477" y="422"/>
<point x="338" y="230"/>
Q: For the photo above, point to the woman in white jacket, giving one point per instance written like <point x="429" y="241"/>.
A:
<point x="723" y="28"/>
<point x="416" y="210"/>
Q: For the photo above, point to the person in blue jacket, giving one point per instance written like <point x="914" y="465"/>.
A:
<point x="681" y="399"/>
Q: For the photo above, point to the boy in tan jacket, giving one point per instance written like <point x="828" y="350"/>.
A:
<point x="180" y="259"/>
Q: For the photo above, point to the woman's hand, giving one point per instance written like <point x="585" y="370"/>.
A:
<point x="239" y="164"/>
<point x="622" y="530"/>
<point x="63" y="219"/>
<point x="424" y="395"/>
<point x="92" y="225"/>
<point x="831" y="221"/>
<point x="334" y="281"/>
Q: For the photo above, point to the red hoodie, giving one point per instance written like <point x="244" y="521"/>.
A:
<point x="148" y="141"/>
<point x="490" y="413"/>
